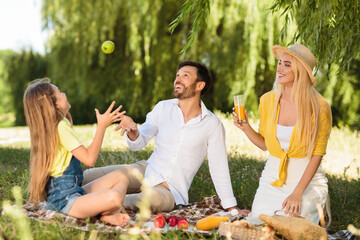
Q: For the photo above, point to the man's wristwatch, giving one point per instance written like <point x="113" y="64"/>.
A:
<point x="234" y="212"/>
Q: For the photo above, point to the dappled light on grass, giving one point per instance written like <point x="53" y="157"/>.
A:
<point x="343" y="154"/>
<point x="245" y="163"/>
<point x="16" y="137"/>
<point x="342" y="158"/>
<point x="236" y="141"/>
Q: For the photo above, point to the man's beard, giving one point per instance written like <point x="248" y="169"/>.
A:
<point x="188" y="92"/>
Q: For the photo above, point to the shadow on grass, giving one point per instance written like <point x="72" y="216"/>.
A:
<point x="245" y="174"/>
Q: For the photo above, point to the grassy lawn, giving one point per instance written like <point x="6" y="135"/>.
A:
<point x="341" y="164"/>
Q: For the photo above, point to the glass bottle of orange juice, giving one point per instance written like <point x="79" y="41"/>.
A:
<point x="240" y="107"/>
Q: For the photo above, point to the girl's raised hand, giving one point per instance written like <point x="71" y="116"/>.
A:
<point x="107" y="118"/>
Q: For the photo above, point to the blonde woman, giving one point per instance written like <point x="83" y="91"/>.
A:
<point x="295" y="124"/>
<point x="56" y="153"/>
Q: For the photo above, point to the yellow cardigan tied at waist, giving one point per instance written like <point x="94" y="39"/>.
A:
<point x="297" y="149"/>
<point x="273" y="145"/>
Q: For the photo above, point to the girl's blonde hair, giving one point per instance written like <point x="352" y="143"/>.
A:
<point x="307" y="105"/>
<point x="42" y="117"/>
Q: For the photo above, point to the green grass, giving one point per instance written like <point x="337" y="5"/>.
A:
<point x="246" y="162"/>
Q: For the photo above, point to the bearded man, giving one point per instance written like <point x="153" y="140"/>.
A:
<point x="185" y="132"/>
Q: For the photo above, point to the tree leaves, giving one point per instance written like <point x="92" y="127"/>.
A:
<point x="233" y="38"/>
<point x="199" y="11"/>
<point x="331" y="28"/>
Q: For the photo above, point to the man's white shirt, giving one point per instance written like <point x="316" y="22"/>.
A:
<point x="180" y="149"/>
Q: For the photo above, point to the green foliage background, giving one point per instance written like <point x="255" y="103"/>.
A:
<point x="6" y="101"/>
<point x="235" y="43"/>
<point x="332" y="28"/>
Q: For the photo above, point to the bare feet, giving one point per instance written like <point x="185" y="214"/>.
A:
<point x="118" y="219"/>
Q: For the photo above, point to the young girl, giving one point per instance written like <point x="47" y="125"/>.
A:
<point x="295" y="124"/>
<point x="56" y="153"/>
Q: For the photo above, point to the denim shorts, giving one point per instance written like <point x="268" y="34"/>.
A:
<point x="70" y="201"/>
<point x="62" y="192"/>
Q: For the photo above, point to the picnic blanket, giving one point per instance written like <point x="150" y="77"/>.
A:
<point x="192" y="212"/>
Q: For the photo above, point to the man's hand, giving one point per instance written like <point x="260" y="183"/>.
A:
<point x="129" y="126"/>
<point x="239" y="211"/>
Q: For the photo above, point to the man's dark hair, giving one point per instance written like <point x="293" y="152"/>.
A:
<point x="202" y="74"/>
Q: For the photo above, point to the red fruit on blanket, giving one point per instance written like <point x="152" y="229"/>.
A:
<point x="161" y="216"/>
<point x="179" y="219"/>
<point x="172" y="220"/>
<point x="182" y="223"/>
<point x="159" y="222"/>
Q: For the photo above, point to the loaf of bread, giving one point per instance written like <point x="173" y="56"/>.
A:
<point x="295" y="227"/>
<point x="243" y="224"/>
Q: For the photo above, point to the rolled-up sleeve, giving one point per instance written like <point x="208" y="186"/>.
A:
<point x="147" y="131"/>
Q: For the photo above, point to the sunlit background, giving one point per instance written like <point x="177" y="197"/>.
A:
<point x="235" y="44"/>
<point x="20" y="25"/>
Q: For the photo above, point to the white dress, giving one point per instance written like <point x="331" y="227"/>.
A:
<point x="268" y="198"/>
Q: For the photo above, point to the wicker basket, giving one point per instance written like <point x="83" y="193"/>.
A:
<point x="228" y="230"/>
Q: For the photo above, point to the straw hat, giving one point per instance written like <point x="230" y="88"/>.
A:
<point x="302" y="54"/>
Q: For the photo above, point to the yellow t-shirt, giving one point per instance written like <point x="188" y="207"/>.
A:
<point x="267" y="129"/>
<point x="67" y="142"/>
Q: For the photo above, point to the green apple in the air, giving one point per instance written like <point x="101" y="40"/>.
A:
<point x="108" y="47"/>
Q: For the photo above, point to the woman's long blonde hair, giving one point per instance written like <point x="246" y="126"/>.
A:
<point x="42" y="117"/>
<point x="307" y="105"/>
